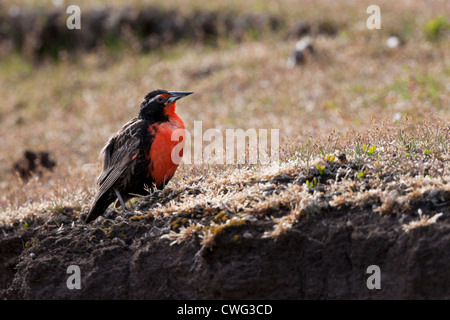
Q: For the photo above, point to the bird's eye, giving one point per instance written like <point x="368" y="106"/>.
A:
<point x="160" y="99"/>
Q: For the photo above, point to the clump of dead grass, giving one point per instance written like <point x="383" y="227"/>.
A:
<point x="424" y="220"/>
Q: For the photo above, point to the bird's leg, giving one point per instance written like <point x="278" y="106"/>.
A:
<point x="124" y="208"/>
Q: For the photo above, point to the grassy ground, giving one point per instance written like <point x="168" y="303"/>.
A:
<point x="355" y="91"/>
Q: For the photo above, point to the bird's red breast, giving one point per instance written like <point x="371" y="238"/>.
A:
<point x="161" y="165"/>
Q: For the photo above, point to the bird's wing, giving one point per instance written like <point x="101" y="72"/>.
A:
<point x="119" y="153"/>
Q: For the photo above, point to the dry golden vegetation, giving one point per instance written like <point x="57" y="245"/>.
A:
<point x="353" y="94"/>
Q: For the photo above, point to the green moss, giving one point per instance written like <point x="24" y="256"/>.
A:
<point x="215" y="230"/>
<point x="141" y="216"/>
<point x="221" y="216"/>
<point x="33" y="243"/>
<point x="178" y="223"/>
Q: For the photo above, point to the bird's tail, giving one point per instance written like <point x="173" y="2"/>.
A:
<point x="99" y="207"/>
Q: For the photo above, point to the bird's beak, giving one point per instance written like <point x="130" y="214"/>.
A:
<point x="176" y="95"/>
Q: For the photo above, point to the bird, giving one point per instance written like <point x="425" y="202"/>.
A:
<point x="139" y="156"/>
<point x="303" y="49"/>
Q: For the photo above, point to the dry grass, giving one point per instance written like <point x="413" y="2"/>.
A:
<point x="391" y="180"/>
<point x="355" y="91"/>
<point x="422" y="222"/>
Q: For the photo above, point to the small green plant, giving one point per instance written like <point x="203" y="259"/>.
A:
<point x="320" y="168"/>
<point x="329" y="158"/>
<point x="330" y="148"/>
<point x="434" y="28"/>
<point x="369" y="150"/>
<point x="311" y="184"/>
<point x="358" y="149"/>
<point x="24" y="226"/>
<point x="362" y="173"/>
<point x="408" y="143"/>
<point x="364" y="150"/>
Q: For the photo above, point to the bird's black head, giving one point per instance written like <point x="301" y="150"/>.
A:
<point x="158" y="105"/>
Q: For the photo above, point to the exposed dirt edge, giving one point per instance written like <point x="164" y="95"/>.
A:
<point x="323" y="256"/>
